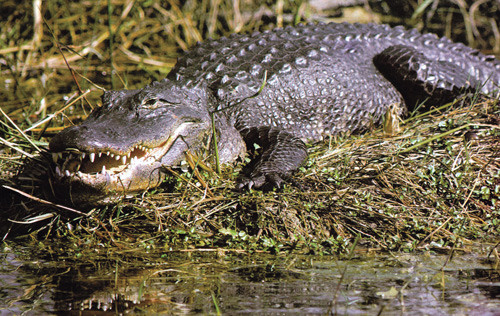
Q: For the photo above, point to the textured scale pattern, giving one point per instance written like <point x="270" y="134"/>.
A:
<point x="321" y="79"/>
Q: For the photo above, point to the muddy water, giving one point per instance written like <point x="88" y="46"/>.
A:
<point x="229" y="283"/>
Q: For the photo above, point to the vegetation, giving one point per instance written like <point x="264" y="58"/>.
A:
<point x="434" y="184"/>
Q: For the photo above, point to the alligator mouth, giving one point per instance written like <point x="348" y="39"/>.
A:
<point x="106" y="166"/>
<point x="101" y="177"/>
<point x="73" y="162"/>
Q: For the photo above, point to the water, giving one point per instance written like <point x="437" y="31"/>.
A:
<point x="192" y="282"/>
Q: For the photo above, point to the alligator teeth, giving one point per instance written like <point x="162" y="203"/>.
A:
<point x="54" y="157"/>
<point x="58" y="170"/>
<point x="103" y="171"/>
<point x="67" y="173"/>
<point x="107" y="153"/>
<point x="60" y="155"/>
<point x="100" y="154"/>
<point x="124" y="159"/>
<point x="111" y="155"/>
<point x="117" y="157"/>
<point x="83" y="156"/>
<point x="128" y="154"/>
<point x="92" y="157"/>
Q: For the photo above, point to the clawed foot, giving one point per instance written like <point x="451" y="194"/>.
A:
<point x="280" y="155"/>
<point x="260" y="181"/>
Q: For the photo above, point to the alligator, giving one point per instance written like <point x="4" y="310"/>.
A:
<point x="277" y="89"/>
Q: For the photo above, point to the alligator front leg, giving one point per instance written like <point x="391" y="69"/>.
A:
<point x="282" y="153"/>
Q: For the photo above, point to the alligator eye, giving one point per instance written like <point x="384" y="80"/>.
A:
<point x="150" y="104"/>
<point x="192" y="120"/>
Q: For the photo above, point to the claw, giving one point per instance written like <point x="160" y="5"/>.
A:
<point x="261" y="181"/>
<point x="244" y="183"/>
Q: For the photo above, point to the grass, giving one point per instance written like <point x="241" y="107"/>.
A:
<point x="433" y="185"/>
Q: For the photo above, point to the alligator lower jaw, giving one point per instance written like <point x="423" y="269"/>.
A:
<point x="109" y="171"/>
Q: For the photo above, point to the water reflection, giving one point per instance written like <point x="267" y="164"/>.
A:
<point x="250" y="284"/>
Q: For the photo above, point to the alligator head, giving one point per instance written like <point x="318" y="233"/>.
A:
<point x="122" y="145"/>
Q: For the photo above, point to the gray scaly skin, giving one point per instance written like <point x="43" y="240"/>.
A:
<point x="277" y="89"/>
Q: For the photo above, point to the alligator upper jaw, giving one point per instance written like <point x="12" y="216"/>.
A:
<point x="107" y="171"/>
<point x="89" y="165"/>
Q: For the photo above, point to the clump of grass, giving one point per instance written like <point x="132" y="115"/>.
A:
<point x="435" y="184"/>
